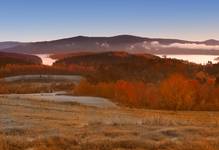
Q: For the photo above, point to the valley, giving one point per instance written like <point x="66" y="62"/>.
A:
<point x="107" y="101"/>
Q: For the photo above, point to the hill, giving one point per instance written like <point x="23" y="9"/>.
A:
<point x="104" y="58"/>
<point x="128" y="43"/>
<point x="113" y="66"/>
<point x="14" y="58"/>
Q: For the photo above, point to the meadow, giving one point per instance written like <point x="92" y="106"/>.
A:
<point x="42" y="125"/>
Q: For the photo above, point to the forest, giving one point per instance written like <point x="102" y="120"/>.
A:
<point x="133" y="80"/>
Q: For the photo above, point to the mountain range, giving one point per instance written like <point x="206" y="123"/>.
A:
<point x="127" y="43"/>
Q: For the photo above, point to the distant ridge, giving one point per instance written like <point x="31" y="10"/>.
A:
<point x="8" y="44"/>
<point x="128" y="43"/>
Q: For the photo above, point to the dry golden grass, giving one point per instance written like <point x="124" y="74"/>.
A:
<point x="34" y="87"/>
<point x="40" y="125"/>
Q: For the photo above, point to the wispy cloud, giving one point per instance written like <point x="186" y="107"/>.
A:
<point x="155" y="45"/>
<point x="191" y="46"/>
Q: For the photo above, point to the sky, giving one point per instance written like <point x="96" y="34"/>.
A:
<point x="39" y="20"/>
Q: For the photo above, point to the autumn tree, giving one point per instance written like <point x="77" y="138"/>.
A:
<point x="177" y="93"/>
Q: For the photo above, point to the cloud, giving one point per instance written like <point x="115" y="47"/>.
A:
<point x="155" y="45"/>
<point x="191" y="46"/>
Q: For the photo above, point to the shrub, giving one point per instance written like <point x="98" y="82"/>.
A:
<point x="177" y="92"/>
<point x="135" y="94"/>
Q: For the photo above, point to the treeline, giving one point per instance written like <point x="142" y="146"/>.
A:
<point x="13" y="70"/>
<point x="176" y="92"/>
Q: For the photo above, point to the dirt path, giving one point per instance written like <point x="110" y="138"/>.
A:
<point x="59" y="97"/>
<point x="72" y="78"/>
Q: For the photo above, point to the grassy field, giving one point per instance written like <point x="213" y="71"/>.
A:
<point x="40" y="125"/>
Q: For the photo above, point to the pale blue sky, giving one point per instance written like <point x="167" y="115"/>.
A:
<point x="36" y="20"/>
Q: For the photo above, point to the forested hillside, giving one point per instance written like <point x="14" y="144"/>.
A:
<point x="14" y="58"/>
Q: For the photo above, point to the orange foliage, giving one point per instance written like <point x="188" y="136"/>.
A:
<point x="174" y="93"/>
<point x="177" y="93"/>
<point x="136" y="94"/>
<point x="180" y="93"/>
<point x="132" y="93"/>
